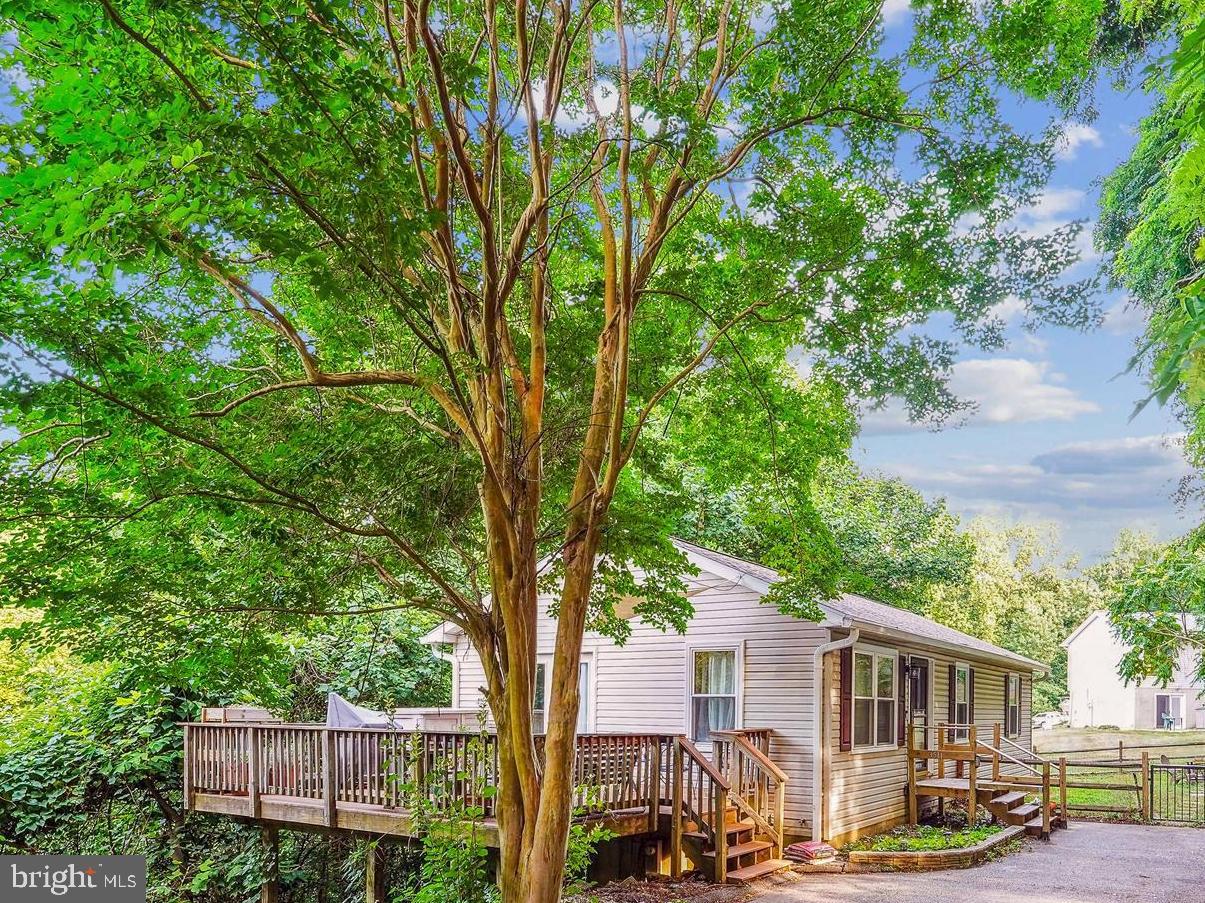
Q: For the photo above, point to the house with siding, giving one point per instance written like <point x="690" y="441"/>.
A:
<point x="839" y="700"/>
<point x="1100" y="697"/>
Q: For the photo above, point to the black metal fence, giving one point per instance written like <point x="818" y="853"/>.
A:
<point x="1178" y="793"/>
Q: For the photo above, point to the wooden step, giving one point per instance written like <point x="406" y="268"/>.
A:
<point x="744" y="849"/>
<point x="751" y="872"/>
<point x="734" y="829"/>
<point x="1023" y="813"/>
<point x="1008" y="799"/>
<point x="1033" y="827"/>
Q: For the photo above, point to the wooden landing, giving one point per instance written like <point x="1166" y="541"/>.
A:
<point x="310" y="814"/>
<point x="958" y="788"/>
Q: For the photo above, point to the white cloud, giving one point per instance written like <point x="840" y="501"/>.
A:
<point x="1053" y="210"/>
<point x="1003" y="390"/>
<point x="1125" y="474"/>
<point x="1008" y="310"/>
<point x="1124" y="318"/>
<point x="895" y="11"/>
<point x="1076" y="135"/>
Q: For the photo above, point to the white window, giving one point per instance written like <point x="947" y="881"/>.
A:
<point x="874" y="698"/>
<point x="712" y="692"/>
<point x="962" y="700"/>
<point x="539" y="705"/>
<point x="1012" y="717"/>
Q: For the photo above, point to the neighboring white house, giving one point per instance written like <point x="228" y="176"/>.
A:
<point x="1100" y="697"/>
<point x="835" y="695"/>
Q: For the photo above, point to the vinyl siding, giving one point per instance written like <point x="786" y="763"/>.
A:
<point x="865" y="789"/>
<point x="642" y="685"/>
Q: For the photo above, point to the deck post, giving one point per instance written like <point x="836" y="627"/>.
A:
<point x="721" y="833"/>
<point x="269" y="888"/>
<point x="675" y="850"/>
<point x="1063" y="790"/>
<point x="912" y="815"/>
<point x="654" y="783"/>
<point x="376" y="889"/>
<point x="941" y="747"/>
<point x="996" y="751"/>
<point x="1045" y="800"/>
<point x="780" y="807"/>
<point x="1144" y="804"/>
<point x="253" y="771"/>
<point x="972" y="775"/>
<point x="329" y="796"/>
<point x="188" y="766"/>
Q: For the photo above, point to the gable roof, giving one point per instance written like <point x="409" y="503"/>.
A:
<point x="850" y="610"/>
<point x="1083" y="626"/>
<point x="844" y="612"/>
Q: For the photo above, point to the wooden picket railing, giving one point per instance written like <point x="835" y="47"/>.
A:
<point x="396" y="769"/>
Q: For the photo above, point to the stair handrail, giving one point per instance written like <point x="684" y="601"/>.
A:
<point x="768" y="822"/>
<point x="1002" y="754"/>
<point x="1029" y="752"/>
<point x="682" y="806"/>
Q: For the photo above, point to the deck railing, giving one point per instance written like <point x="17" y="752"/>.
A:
<point x="960" y="746"/>
<point x="757" y="784"/>
<point x="407" y="770"/>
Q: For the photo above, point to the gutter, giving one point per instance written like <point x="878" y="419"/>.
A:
<point x="818" y="722"/>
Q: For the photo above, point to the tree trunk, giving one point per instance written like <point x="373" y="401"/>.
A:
<point x="533" y="823"/>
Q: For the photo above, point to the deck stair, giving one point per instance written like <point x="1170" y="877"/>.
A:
<point x="729" y="811"/>
<point x="1020" y="789"/>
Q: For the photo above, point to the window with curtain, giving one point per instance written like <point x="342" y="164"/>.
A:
<point x="1012" y="715"/>
<point x="713" y="693"/>
<point x="874" y="698"/>
<point x="537" y="702"/>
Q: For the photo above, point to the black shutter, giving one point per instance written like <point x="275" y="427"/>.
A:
<point x="970" y="695"/>
<point x="952" y="714"/>
<point x="846" y="694"/>
<point x="901" y="716"/>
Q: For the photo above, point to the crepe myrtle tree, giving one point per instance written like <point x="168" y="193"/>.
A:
<point x="436" y="292"/>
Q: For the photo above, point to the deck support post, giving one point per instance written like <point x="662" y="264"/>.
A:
<point x="996" y="751"/>
<point x="721" y="834"/>
<point x="972" y="774"/>
<point x="376" y="889"/>
<point x="675" y="848"/>
<point x="329" y="797"/>
<point x="269" y="888"/>
<point x="912" y="814"/>
<point x="654" y="784"/>
<point x="1045" y="800"/>
<point x="253" y="789"/>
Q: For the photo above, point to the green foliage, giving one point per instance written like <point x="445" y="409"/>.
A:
<point x="1159" y="613"/>
<point x="920" y="838"/>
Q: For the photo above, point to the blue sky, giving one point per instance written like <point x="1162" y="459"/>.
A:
<point x="1052" y="438"/>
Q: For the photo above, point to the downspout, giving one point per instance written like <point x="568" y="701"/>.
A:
<point x="818" y="723"/>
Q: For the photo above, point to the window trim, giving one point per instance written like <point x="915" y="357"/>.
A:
<point x="739" y="664"/>
<point x="1009" y="677"/>
<point x="586" y="692"/>
<point x="876" y="653"/>
<point x="962" y="734"/>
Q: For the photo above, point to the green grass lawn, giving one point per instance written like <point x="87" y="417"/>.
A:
<point x="1174" y="798"/>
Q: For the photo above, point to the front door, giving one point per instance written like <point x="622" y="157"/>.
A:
<point x="918" y="706"/>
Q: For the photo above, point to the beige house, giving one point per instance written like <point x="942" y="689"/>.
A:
<point x="838" y="698"/>
<point x="1100" y="697"/>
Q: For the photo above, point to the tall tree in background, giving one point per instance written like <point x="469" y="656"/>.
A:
<point x="412" y="291"/>
<point x="1153" y="226"/>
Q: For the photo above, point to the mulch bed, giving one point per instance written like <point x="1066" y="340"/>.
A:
<point x="662" y="890"/>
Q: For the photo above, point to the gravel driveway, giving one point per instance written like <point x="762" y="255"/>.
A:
<point x="1088" y="863"/>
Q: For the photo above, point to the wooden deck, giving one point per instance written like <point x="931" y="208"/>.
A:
<point x="387" y="782"/>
